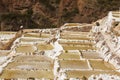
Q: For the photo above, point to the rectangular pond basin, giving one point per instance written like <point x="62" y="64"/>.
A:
<point x="78" y="47"/>
<point x="69" y="56"/>
<point x="101" y="65"/>
<point x="88" y="73"/>
<point x="25" y="48"/>
<point x="32" y="58"/>
<point x="30" y="66"/>
<point x="44" y="47"/>
<point x="37" y="35"/>
<point x="24" y="74"/>
<point x="90" y="55"/>
<point x="74" y="64"/>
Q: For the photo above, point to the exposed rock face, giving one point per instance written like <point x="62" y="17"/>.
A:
<point x="52" y="13"/>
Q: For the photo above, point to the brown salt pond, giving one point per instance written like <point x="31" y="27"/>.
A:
<point x="24" y="39"/>
<point x="90" y="55"/>
<point x="74" y="42"/>
<point x="4" y="52"/>
<point x="74" y="64"/>
<point x="88" y="73"/>
<point x="25" y="48"/>
<point x="32" y="58"/>
<point x="101" y="65"/>
<point x="30" y="66"/>
<point x="24" y="74"/>
<point x="79" y="47"/>
<point x="35" y="62"/>
<point x="37" y="35"/>
<point x="69" y="56"/>
<point x="76" y="38"/>
<point x="44" y="47"/>
<point x="7" y="32"/>
<point x="74" y="33"/>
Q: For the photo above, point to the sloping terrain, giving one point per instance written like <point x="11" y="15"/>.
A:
<point x="68" y="52"/>
<point x="52" y="13"/>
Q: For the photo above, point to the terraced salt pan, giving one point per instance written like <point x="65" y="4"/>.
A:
<point x="88" y="73"/>
<point x="72" y="24"/>
<point x="83" y="34"/>
<point x="25" y="48"/>
<point x="68" y="34"/>
<point x="80" y="47"/>
<point x="44" y="46"/>
<point x="30" y="66"/>
<point x="37" y="35"/>
<point x="75" y="42"/>
<point x="74" y="65"/>
<point x="4" y="52"/>
<point x="116" y="14"/>
<point x="11" y="74"/>
<point x="33" y="58"/>
<point x="7" y="32"/>
<point x="79" y="25"/>
<point x="7" y="35"/>
<point x="75" y="37"/>
<point x="29" y="39"/>
<point x="101" y="65"/>
<point x="90" y="55"/>
<point x="69" y="56"/>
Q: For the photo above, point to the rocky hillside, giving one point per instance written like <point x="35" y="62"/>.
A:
<point x="52" y="13"/>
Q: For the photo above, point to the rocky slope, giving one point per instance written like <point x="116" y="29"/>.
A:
<point x="52" y="13"/>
